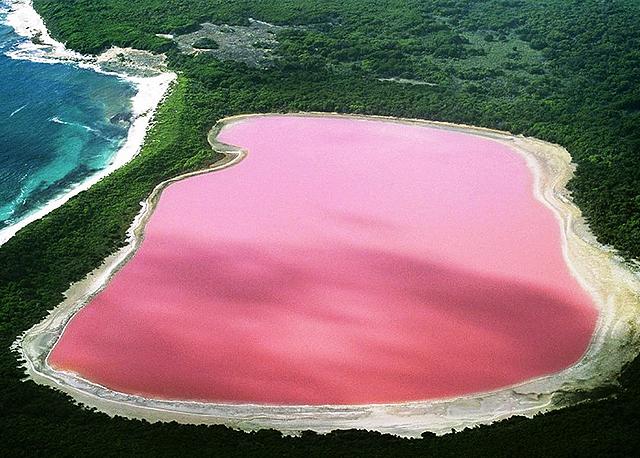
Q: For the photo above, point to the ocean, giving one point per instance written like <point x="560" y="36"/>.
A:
<point x="60" y="125"/>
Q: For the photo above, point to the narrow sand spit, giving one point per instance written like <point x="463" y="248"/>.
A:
<point x="614" y="287"/>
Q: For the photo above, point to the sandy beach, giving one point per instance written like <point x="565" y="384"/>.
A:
<point x="613" y="286"/>
<point x="150" y="91"/>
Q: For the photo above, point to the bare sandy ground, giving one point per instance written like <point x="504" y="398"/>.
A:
<point x="612" y="283"/>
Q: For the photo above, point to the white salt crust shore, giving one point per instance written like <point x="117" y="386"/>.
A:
<point x="150" y="91"/>
<point x="614" y="287"/>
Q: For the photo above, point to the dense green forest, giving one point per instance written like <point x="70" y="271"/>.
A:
<point x="566" y="71"/>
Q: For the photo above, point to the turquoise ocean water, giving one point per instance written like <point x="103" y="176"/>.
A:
<point x="59" y="124"/>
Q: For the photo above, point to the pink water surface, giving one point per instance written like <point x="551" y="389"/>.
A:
<point x="341" y="262"/>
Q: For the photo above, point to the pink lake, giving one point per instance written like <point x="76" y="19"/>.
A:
<point x="342" y="261"/>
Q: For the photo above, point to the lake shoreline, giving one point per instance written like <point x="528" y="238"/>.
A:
<point x="613" y="287"/>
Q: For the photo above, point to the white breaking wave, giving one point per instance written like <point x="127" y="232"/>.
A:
<point x="18" y="110"/>
<point x="57" y="120"/>
<point x="20" y="199"/>
<point x="27" y="23"/>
